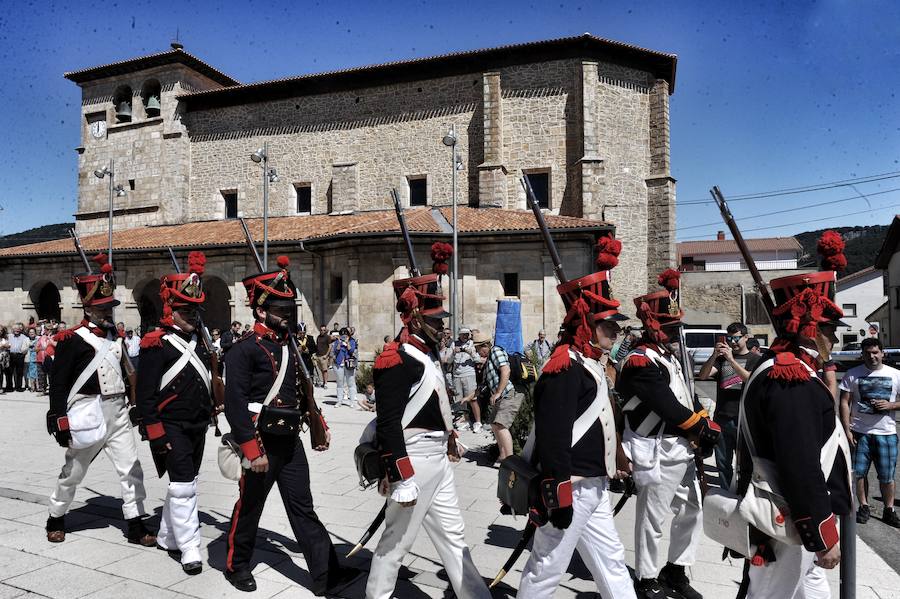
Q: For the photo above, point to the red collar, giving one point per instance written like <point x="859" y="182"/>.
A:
<point x="417" y="342"/>
<point x="264" y="331"/>
<point x="93" y="328"/>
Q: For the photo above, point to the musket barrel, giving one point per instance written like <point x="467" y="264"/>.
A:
<point x="413" y="267"/>
<point x="545" y="232"/>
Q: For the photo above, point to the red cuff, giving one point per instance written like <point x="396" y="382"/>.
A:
<point x="404" y="467"/>
<point x="325" y="424"/>
<point x="828" y="530"/>
<point x="251" y="449"/>
<point x="556" y="495"/>
<point x="62" y="423"/>
<point x="155" y="431"/>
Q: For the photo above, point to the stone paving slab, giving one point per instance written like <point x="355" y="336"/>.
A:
<point x="96" y="561"/>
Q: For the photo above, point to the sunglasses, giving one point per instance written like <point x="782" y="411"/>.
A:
<point x="734" y="338"/>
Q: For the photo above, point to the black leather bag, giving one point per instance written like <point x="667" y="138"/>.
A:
<point x="368" y="464"/>
<point x="279" y="421"/>
<point x="516" y="482"/>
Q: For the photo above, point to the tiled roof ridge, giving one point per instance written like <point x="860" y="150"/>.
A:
<point x="425" y="59"/>
<point x="173" y="52"/>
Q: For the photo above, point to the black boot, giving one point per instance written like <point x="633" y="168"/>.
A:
<point x="138" y="533"/>
<point x="242" y="581"/>
<point x="676" y="580"/>
<point x="56" y="529"/>
<point x="339" y="580"/>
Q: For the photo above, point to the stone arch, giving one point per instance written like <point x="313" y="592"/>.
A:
<point x="122" y="97"/>
<point x="146" y="297"/>
<point x="151" y="89"/>
<point x="217" y="308"/>
<point x="45" y="298"/>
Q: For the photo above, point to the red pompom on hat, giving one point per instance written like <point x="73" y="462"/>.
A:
<point x="283" y="261"/>
<point x="440" y="253"/>
<point x="608" y="250"/>
<point x="196" y="262"/>
<point x="831" y="247"/>
<point x="670" y="279"/>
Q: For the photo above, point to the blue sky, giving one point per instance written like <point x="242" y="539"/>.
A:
<point x="769" y="95"/>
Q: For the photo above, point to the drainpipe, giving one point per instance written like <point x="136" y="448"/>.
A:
<point x="321" y="280"/>
<point x="743" y="306"/>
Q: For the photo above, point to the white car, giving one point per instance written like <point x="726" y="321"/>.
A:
<point x="700" y="344"/>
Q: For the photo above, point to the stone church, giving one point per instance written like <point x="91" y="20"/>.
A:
<point x="586" y="118"/>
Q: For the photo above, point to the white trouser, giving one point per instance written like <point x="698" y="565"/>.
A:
<point x="793" y="575"/>
<point x="437" y="509"/>
<point x="120" y="448"/>
<point x="674" y="491"/>
<point x="179" y="525"/>
<point x="593" y="533"/>
<point x="345" y="379"/>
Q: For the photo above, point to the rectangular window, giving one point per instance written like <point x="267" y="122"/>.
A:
<point x="131" y="184"/>
<point x="336" y="291"/>
<point x="511" y="284"/>
<point x="896" y="298"/>
<point x="231" y="204"/>
<point x="540" y="184"/>
<point x="304" y="198"/>
<point x="418" y="191"/>
<point x="845" y="339"/>
<point x="763" y="339"/>
<point x="849" y="309"/>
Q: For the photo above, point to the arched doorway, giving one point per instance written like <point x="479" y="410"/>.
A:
<point x="44" y="296"/>
<point x="146" y="296"/>
<point x="217" y="307"/>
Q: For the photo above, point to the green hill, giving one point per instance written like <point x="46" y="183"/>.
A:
<point x="863" y="244"/>
<point x="36" y="235"/>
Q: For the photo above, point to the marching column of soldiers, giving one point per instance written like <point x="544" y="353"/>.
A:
<point x="593" y="424"/>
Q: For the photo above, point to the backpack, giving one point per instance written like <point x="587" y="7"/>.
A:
<point x="521" y="370"/>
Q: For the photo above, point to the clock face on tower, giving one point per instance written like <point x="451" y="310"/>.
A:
<point x="98" y="129"/>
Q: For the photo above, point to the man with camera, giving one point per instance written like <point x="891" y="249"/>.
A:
<point x="343" y="351"/>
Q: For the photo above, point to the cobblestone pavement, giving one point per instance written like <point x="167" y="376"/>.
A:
<point x="95" y="560"/>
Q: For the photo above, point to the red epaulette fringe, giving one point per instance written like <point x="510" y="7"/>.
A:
<point x="636" y="361"/>
<point x="63" y="335"/>
<point x="153" y="339"/>
<point x="788" y="367"/>
<point x="560" y="360"/>
<point x="390" y="357"/>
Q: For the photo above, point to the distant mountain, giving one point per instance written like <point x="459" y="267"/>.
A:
<point x="863" y="244"/>
<point x="37" y="235"/>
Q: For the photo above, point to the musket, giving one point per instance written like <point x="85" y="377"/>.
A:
<point x="314" y="420"/>
<point x="545" y="232"/>
<point x="80" y="250"/>
<point x="413" y="267"/>
<point x="761" y="286"/>
<point x="218" y="385"/>
<point x="369" y="531"/>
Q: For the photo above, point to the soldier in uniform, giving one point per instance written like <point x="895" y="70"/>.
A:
<point x="174" y="397"/>
<point x="791" y="419"/>
<point x="664" y="427"/>
<point x="577" y="445"/>
<point x="415" y="433"/>
<point x="88" y="368"/>
<point x="261" y="366"/>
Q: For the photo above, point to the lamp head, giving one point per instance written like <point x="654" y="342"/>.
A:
<point x="273" y="176"/>
<point x="450" y="139"/>
<point x="120" y="191"/>
<point x="258" y="156"/>
<point x="100" y="173"/>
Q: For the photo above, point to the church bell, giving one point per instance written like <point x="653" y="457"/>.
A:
<point x="123" y="112"/>
<point x="153" y="106"/>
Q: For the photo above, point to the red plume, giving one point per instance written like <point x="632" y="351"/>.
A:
<point x="408" y="301"/>
<point x="196" y="262"/>
<point x="106" y="268"/>
<point x="101" y="259"/>
<point x="608" y="250"/>
<point x="283" y="261"/>
<point x="440" y="253"/>
<point x="669" y="279"/>
<point x="831" y="248"/>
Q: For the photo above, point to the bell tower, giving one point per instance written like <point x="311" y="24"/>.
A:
<point x="131" y="117"/>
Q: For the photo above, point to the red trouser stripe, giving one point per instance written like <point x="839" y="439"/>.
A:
<point x="234" y="521"/>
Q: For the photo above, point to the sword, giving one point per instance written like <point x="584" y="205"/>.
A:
<point x="370" y="531"/>
<point x="523" y="542"/>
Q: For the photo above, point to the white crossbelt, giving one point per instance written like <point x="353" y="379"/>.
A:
<point x="431" y="381"/>
<point x="187" y="355"/>
<point x="257" y="407"/>
<point x="102" y="349"/>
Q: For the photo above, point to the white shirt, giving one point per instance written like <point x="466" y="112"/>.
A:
<point x="866" y="386"/>
<point x="133" y="345"/>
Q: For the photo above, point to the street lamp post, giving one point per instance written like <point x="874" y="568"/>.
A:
<point x="450" y="140"/>
<point x="261" y="156"/>
<point x="114" y="192"/>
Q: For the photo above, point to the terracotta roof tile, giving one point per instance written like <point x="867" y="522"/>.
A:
<point x="728" y="246"/>
<point x="223" y="233"/>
